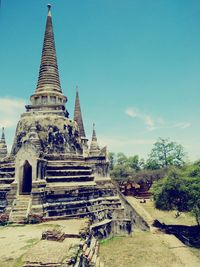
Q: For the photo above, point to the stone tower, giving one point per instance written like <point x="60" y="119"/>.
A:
<point x="94" y="147"/>
<point x="3" y="146"/>
<point x="48" y="95"/>
<point x="79" y="120"/>
<point x="48" y="169"/>
<point x="78" y="115"/>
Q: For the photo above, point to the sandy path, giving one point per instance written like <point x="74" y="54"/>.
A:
<point x="14" y="240"/>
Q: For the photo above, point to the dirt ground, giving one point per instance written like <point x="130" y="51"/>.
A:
<point x="15" y="241"/>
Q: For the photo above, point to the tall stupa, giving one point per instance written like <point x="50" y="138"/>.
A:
<point x="51" y="171"/>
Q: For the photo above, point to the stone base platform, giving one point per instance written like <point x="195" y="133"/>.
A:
<point x="49" y="253"/>
<point x="78" y="248"/>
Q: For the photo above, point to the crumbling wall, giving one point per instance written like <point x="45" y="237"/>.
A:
<point x="136" y="220"/>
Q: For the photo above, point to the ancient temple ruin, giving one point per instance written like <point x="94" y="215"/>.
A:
<point x="51" y="171"/>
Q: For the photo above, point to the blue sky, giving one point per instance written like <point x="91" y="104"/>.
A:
<point x="137" y="65"/>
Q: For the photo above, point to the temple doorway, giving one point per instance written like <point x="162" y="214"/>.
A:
<point x="26" y="184"/>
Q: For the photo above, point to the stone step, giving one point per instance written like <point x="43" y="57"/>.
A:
<point x="66" y="161"/>
<point x="7" y="169"/>
<point x="23" y="197"/>
<point x="6" y="172"/>
<point x="17" y="218"/>
<point x="9" y="163"/>
<point x="77" y="213"/>
<point x="21" y="204"/>
<point x="66" y="166"/>
<point x="70" y="171"/>
<point x="22" y="200"/>
<point x="80" y="178"/>
<point x="81" y="204"/>
<point x="19" y="208"/>
<point x="6" y="180"/>
<point x="19" y="213"/>
<point x="76" y="185"/>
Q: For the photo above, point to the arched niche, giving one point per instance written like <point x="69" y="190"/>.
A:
<point x="25" y="169"/>
<point x="26" y="179"/>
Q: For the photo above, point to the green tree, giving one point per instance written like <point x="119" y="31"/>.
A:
<point x="120" y="172"/>
<point x="112" y="160"/>
<point x="180" y="191"/>
<point x="135" y="163"/>
<point x="123" y="167"/>
<point x="122" y="159"/>
<point x="171" y="193"/>
<point x="166" y="153"/>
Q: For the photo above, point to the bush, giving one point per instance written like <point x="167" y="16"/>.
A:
<point x="4" y="219"/>
<point x="35" y="218"/>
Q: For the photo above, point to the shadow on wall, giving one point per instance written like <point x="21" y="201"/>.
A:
<point x="189" y="235"/>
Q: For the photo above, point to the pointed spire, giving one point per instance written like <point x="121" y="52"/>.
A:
<point x="48" y="91"/>
<point x="49" y="10"/>
<point x="48" y="75"/>
<point x="3" y="134"/>
<point x="78" y="114"/>
<point x="94" y="147"/>
<point x="94" y="136"/>
<point x="3" y="146"/>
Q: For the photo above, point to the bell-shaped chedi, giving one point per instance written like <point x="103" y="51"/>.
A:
<point x="46" y="120"/>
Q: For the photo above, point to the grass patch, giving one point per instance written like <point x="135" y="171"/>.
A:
<point x="107" y="240"/>
<point x="18" y="262"/>
<point x="141" y="249"/>
<point x="168" y="217"/>
<point x="30" y="243"/>
<point x="11" y="262"/>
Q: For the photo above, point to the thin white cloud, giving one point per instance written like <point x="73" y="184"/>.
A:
<point x="146" y="118"/>
<point x="154" y="123"/>
<point x="10" y="110"/>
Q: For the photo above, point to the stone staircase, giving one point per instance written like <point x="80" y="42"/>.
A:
<point x="62" y="171"/>
<point x="72" y="192"/>
<point x="20" y="209"/>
